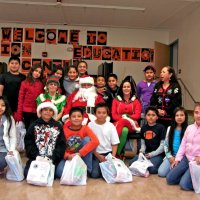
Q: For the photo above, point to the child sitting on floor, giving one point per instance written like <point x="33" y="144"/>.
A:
<point x="8" y="138"/>
<point x="152" y="142"/>
<point x="83" y="148"/>
<point x="45" y="136"/>
<point x="174" y="135"/>
<point x="107" y="135"/>
<point x="189" y="150"/>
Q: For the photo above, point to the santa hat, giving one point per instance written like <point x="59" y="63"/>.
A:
<point x="53" y="79"/>
<point x="47" y="104"/>
<point x="86" y="79"/>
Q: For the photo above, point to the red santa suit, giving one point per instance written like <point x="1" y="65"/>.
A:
<point x="126" y="114"/>
<point x="85" y="98"/>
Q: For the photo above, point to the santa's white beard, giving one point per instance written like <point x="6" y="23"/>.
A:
<point x="86" y="94"/>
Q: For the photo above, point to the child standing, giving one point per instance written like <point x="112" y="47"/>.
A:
<point x="70" y="82"/>
<point x="102" y="90"/>
<point x="113" y="89"/>
<point x="7" y="132"/>
<point x="29" y="91"/>
<point x="45" y="136"/>
<point x="173" y="139"/>
<point x="88" y="142"/>
<point x="58" y="72"/>
<point x="145" y="88"/>
<point x="112" y="85"/>
<point x="10" y="83"/>
<point x="152" y="142"/>
<point x="82" y="68"/>
<point x="51" y="92"/>
<point x="107" y="135"/>
<point x="189" y="151"/>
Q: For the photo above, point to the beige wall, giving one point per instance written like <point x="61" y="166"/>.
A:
<point x="188" y="33"/>
<point x="116" y="37"/>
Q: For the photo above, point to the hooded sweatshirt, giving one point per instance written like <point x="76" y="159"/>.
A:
<point x="70" y="85"/>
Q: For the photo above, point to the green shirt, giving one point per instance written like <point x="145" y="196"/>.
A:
<point x="59" y="101"/>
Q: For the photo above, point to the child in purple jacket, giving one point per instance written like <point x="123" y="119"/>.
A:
<point x="145" y="87"/>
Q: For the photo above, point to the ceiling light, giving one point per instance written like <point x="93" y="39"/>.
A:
<point x="104" y="6"/>
<point x="73" y="5"/>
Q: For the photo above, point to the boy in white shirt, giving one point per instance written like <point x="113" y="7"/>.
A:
<point x="107" y="136"/>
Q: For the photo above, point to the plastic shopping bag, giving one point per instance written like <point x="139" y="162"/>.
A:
<point x="20" y="132"/>
<point x="41" y="172"/>
<point x="15" y="168"/>
<point x="74" y="172"/>
<point x="115" y="171"/>
<point x="140" y="167"/>
<point x="195" y="175"/>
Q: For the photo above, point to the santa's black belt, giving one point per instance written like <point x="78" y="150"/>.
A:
<point x="87" y="109"/>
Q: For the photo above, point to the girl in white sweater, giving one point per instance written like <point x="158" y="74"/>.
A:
<point x="7" y="133"/>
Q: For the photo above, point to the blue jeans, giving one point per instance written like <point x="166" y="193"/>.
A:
<point x="3" y="162"/>
<point x="156" y="160"/>
<point x="164" y="168"/>
<point x="87" y="159"/>
<point x="181" y="175"/>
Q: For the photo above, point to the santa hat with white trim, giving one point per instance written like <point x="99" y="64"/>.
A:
<point x="47" y="104"/>
<point x="86" y="79"/>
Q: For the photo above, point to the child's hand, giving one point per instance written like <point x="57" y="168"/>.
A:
<point x="174" y="164"/>
<point x="161" y="112"/>
<point x="101" y="158"/>
<point x="171" y="159"/>
<point x="10" y="153"/>
<point x="101" y="90"/>
<point x="197" y="159"/>
<point x="147" y="155"/>
<point x="72" y="155"/>
<point x="67" y="120"/>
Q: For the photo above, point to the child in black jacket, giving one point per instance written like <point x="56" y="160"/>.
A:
<point x="45" y="136"/>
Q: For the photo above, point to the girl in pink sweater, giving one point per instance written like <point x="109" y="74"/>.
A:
<point x="188" y="151"/>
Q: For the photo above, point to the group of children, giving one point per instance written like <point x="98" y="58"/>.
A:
<point x="170" y="151"/>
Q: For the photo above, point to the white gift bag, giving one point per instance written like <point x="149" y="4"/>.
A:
<point x="20" y="133"/>
<point x="195" y="175"/>
<point x="74" y="172"/>
<point x="140" y="167"/>
<point x="115" y="171"/>
<point x="15" y="168"/>
<point x="41" y="172"/>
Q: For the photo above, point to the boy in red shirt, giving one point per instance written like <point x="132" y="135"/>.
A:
<point x="80" y="140"/>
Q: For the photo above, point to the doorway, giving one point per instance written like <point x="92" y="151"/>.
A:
<point x="174" y="56"/>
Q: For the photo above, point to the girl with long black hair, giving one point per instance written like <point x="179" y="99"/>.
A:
<point x="7" y="132"/>
<point x="174" y="136"/>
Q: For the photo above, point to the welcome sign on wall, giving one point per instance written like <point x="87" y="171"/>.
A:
<point x="18" y="41"/>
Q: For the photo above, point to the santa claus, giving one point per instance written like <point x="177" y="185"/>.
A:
<point x="86" y="98"/>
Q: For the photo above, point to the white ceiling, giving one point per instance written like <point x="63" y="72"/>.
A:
<point x="158" y="14"/>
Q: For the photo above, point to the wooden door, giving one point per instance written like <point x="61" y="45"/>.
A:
<point x="161" y="56"/>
